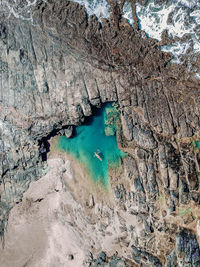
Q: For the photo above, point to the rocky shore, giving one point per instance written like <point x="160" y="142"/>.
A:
<point x="53" y="69"/>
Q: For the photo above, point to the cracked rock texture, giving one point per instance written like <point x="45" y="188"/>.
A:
<point x="58" y="65"/>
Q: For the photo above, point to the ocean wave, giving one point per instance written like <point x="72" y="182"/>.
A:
<point x="98" y="7"/>
<point x="127" y="12"/>
<point x="179" y="18"/>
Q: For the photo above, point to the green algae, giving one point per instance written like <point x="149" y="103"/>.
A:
<point x="184" y="212"/>
<point x="111" y="120"/>
<point x="99" y="135"/>
<point x="195" y="144"/>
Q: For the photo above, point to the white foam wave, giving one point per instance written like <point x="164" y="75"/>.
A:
<point x="101" y="9"/>
<point x="154" y="19"/>
<point x="187" y="3"/>
<point x="98" y="7"/>
<point x="180" y="18"/>
<point x="177" y="49"/>
<point x="127" y="12"/>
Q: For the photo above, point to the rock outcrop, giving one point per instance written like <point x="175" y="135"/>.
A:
<point x="54" y="68"/>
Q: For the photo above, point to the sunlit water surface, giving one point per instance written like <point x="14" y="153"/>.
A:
<point x="91" y="138"/>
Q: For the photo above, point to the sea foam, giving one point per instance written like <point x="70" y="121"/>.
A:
<point x="178" y="18"/>
<point x="100" y="8"/>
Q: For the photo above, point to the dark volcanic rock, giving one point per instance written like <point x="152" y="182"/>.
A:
<point x="143" y="257"/>
<point x="188" y="250"/>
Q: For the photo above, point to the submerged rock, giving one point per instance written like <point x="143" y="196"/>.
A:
<point x="111" y="121"/>
<point x="67" y="132"/>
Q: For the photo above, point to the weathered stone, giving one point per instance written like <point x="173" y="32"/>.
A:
<point x="188" y="251"/>
<point x="143" y="257"/>
<point x="69" y="131"/>
<point x="53" y="67"/>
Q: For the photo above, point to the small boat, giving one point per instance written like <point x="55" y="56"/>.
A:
<point x="96" y="154"/>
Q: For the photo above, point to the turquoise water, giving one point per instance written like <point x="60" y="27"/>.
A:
<point x="195" y="144"/>
<point x="91" y="138"/>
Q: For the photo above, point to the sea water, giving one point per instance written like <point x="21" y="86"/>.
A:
<point x="184" y="19"/>
<point x="98" y="7"/>
<point x="98" y="135"/>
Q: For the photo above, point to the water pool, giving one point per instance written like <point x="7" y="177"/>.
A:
<point x="98" y="135"/>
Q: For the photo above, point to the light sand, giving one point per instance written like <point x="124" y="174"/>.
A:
<point x="62" y="214"/>
<point x="36" y="235"/>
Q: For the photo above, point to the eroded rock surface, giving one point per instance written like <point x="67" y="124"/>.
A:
<point x="53" y="69"/>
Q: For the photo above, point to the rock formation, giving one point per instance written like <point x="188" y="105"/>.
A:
<point x="58" y="65"/>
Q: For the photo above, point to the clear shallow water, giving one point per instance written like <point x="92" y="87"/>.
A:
<point x="91" y="138"/>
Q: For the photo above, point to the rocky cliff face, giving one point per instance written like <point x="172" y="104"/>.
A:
<point x="54" y="68"/>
